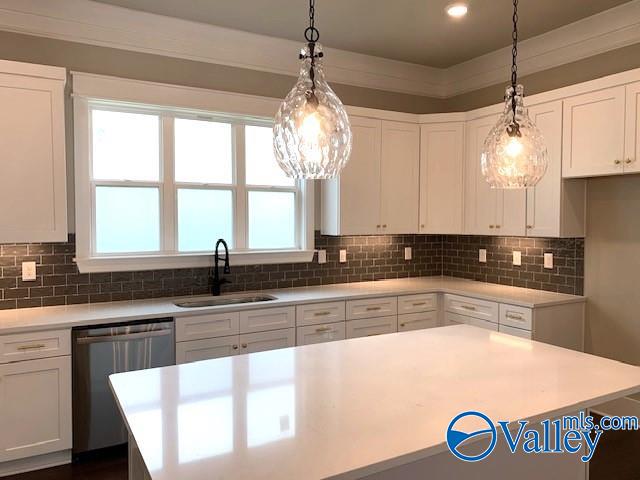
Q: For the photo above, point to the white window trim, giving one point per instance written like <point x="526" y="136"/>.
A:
<point x="89" y="88"/>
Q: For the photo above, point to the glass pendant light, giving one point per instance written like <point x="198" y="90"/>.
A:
<point x="514" y="154"/>
<point x="312" y="135"/>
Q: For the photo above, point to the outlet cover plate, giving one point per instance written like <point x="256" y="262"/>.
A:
<point x="322" y="256"/>
<point x="517" y="258"/>
<point x="482" y="255"/>
<point x="28" y="271"/>
<point x="408" y="254"/>
<point x="548" y="260"/>
<point x="343" y="256"/>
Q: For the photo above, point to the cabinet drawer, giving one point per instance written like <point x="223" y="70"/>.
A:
<point x="471" y="307"/>
<point x="259" y="342"/>
<point x="455" y="318"/>
<point x="267" y="319"/>
<point x="197" y="327"/>
<point x="417" y="303"/>
<point x="517" y="332"/>
<point x="372" y="307"/>
<point x="28" y="346"/>
<point x="367" y="327"/>
<point x="197" y="350"/>
<point x="417" y="321"/>
<point x="320" y="333"/>
<point x="320" y="313"/>
<point x="518" y="317"/>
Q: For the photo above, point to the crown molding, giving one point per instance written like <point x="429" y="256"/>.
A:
<point x="94" y="23"/>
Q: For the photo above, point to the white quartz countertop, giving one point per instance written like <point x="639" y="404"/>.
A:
<point x="46" y="318"/>
<point x="346" y="409"/>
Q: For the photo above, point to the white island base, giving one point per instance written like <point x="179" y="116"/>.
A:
<point x="375" y="408"/>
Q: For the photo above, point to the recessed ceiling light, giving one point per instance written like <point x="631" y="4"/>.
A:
<point x="457" y="10"/>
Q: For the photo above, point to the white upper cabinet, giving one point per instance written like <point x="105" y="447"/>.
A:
<point x="32" y="140"/>
<point x="632" y="129"/>
<point x="399" y="178"/>
<point x="593" y="133"/>
<point x="377" y="192"/>
<point x="555" y="207"/>
<point x="441" y="177"/>
<point x="488" y="211"/>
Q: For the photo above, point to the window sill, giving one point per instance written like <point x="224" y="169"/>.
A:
<point x="160" y="262"/>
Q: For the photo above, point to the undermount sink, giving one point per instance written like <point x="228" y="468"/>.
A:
<point x="222" y="300"/>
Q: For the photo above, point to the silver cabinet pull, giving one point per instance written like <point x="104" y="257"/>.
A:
<point x="514" y="316"/>
<point x="323" y="329"/>
<point x="497" y="226"/>
<point x="402" y="324"/>
<point x="419" y="304"/>
<point x="35" y="346"/>
<point x="235" y="347"/>
<point x="617" y="162"/>
<point x="468" y="307"/>
<point x="628" y="161"/>
<point x="244" y="345"/>
<point x="384" y="226"/>
<point x="491" y="226"/>
<point x="124" y="337"/>
<point x="377" y="226"/>
<point x="373" y="309"/>
<point x="321" y="314"/>
<point x="529" y="227"/>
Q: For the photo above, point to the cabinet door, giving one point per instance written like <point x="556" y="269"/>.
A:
<point x="320" y="333"/>
<point x="35" y="407"/>
<point x="544" y="200"/>
<point x="481" y="201"/>
<point x="368" y="327"/>
<point x="593" y="133"/>
<point x="441" y="178"/>
<point x="260" y="342"/>
<point x="359" y="191"/>
<point x="417" y="321"/>
<point x="399" y="177"/>
<point x="632" y="127"/>
<point x="33" y="182"/>
<point x="511" y="212"/>
<point x="196" y="350"/>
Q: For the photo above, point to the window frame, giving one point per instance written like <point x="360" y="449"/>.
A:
<point x="89" y="260"/>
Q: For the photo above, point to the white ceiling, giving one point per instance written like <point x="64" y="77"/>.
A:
<point x="416" y="31"/>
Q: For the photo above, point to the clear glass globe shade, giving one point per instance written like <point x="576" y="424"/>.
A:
<point x="312" y="134"/>
<point x="514" y="161"/>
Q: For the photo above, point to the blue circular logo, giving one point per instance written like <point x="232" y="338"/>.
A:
<point x="457" y="438"/>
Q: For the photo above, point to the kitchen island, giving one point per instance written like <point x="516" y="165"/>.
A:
<point x="375" y="407"/>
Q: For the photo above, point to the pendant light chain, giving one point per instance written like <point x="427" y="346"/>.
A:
<point x="312" y="35"/>
<point x="514" y="128"/>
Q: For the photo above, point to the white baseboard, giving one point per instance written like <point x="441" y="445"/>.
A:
<point x="35" y="463"/>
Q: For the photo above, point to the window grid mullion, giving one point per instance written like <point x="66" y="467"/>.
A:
<point x="241" y="213"/>
<point x="169" y="203"/>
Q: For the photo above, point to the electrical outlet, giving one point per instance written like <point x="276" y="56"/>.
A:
<point x="517" y="258"/>
<point x="28" y="271"/>
<point x="548" y="260"/>
<point x="343" y="256"/>
<point x="322" y="256"/>
<point x="408" y="254"/>
<point x="482" y="255"/>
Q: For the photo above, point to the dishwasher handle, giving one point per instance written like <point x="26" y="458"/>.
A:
<point x="123" y="337"/>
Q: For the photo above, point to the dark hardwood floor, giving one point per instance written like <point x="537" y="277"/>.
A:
<point x="617" y="457"/>
<point x="108" y="464"/>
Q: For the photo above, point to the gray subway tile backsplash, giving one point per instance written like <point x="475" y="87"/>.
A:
<point x="58" y="281"/>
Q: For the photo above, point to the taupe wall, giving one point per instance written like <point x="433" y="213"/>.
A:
<point x="156" y="68"/>
<point x="612" y="268"/>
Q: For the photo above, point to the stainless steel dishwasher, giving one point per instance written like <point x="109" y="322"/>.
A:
<point x="97" y="353"/>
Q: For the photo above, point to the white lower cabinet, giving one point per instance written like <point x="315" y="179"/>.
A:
<point x="207" y="349"/>
<point x="320" y="333"/>
<point x="456" y="318"/>
<point x="35" y="407"/>
<point x="367" y="327"/>
<point x="417" y="321"/>
<point x="262" y="341"/>
<point x="516" y="332"/>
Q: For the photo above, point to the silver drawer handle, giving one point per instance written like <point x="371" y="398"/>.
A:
<point x="514" y="316"/>
<point x="35" y="346"/>
<point x="323" y="329"/>
<point x="235" y="347"/>
<point x="123" y="337"/>
<point x="468" y="307"/>
<point x="373" y="309"/>
<point x="402" y="324"/>
<point x="322" y="314"/>
<point x="419" y="304"/>
<point x="244" y="345"/>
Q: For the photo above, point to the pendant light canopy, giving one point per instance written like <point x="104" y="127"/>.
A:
<point x="312" y="134"/>
<point x="514" y="154"/>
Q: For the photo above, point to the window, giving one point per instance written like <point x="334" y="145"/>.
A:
<point x="163" y="185"/>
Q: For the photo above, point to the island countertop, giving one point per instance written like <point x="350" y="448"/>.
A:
<point x="60" y="317"/>
<point x="347" y="409"/>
